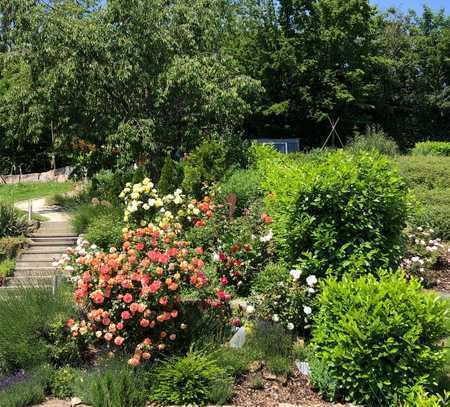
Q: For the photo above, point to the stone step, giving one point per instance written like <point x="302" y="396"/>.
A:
<point x="20" y="288"/>
<point x="46" y="249"/>
<point x="30" y="281"/>
<point x="30" y="264"/>
<point x="61" y="234"/>
<point x="25" y="256"/>
<point x="49" y="241"/>
<point x="38" y="271"/>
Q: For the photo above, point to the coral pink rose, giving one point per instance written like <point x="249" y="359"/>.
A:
<point x="119" y="340"/>
<point x="128" y="298"/>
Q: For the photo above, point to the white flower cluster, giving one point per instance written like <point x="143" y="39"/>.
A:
<point x="144" y="197"/>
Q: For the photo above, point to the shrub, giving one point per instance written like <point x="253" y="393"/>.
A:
<point x="86" y="214"/>
<point x="282" y="298"/>
<point x="424" y="172"/>
<point x="62" y="380"/>
<point x="112" y="386"/>
<point x="12" y="221"/>
<point x="7" y="267"/>
<point x="374" y="140"/>
<point x="10" y="246"/>
<point x="433" y="211"/>
<point x="378" y="338"/>
<point x="340" y="212"/>
<point x="105" y="230"/>
<point x="439" y="148"/>
<point x="139" y="310"/>
<point x="203" y="166"/>
<point x="268" y="341"/>
<point x="233" y="360"/>
<point x="169" y="179"/>
<point x="419" y="397"/>
<point x="186" y="380"/>
<point x="106" y="185"/>
<point x="321" y="378"/>
<point x="245" y="184"/>
<point x="25" y="317"/>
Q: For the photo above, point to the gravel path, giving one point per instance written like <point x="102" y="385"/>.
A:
<point x="51" y="212"/>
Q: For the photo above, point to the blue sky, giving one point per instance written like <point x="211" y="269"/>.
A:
<point x="413" y="4"/>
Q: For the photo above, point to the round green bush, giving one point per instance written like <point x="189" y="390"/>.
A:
<point x="378" y="338"/>
<point x="336" y="212"/>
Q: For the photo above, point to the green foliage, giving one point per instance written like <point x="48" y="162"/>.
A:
<point x="28" y="392"/>
<point x="321" y="378"/>
<point x="27" y="314"/>
<point x="336" y="212"/>
<point x="106" y="185"/>
<point x="429" y="179"/>
<point x="269" y="342"/>
<point x="12" y="222"/>
<point x="432" y="211"/>
<point x="419" y="397"/>
<point x="61" y="350"/>
<point x="435" y="148"/>
<point x="10" y="246"/>
<point x="105" y="230"/>
<point x="186" y="380"/>
<point x="7" y="267"/>
<point x="425" y="172"/>
<point x="204" y="166"/>
<point x="245" y="184"/>
<point x="378" y="338"/>
<point x="111" y="386"/>
<point x="272" y="275"/>
<point x="373" y="140"/>
<point x="169" y="180"/>
<point x="278" y="295"/>
<point x="233" y="360"/>
<point x="86" y="214"/>
<point x="61" y="384"/>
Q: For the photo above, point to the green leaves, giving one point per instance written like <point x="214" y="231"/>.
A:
<point x="379" y="337"/>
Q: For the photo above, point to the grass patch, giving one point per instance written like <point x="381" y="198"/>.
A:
<point x="32" y="190"/>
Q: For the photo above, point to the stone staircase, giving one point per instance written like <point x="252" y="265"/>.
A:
<point x="34" y="265"/>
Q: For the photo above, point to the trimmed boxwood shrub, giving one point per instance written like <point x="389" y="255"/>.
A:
<point x="378" y="338"/>
<point x="441" y="148"/>
<point x="336" y="212"/>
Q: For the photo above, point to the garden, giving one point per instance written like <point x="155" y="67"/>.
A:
<point x="308" y="279"/>
<point x="197" y="265"/>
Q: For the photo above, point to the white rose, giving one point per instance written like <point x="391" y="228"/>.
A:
<point x="146" y="207"/>
<point x="307" y="310"/>
<point x="295" y="274"/>
<point x="290" y="326"/>
<point x="250" y="309"/>
<point x="275" y="318"/>
<point x="311" y="280"/>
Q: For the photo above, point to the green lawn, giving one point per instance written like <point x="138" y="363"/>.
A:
<point x="32" y="190"/>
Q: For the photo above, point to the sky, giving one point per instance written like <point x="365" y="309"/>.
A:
<point x="417" y="5"/>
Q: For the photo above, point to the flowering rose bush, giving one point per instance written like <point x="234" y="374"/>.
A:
<point x="424" y="254"/>
<point x="144" y="205"/>
<point x="238" y="247"/>
<point x="132" y="296"/>
<point x="283" y="297"/>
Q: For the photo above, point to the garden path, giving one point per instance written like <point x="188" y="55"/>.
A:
<point x="35" y="264"/>
<point x="40" y="206"/>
